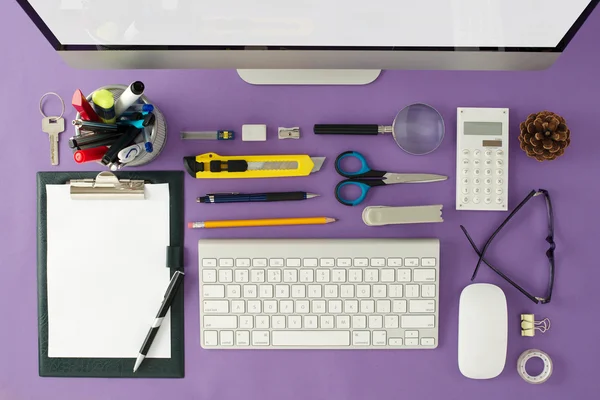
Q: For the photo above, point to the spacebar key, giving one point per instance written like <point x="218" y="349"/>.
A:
<point x="310" y="338"/>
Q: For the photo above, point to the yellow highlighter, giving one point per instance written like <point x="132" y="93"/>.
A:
<point x="214" y="166"/>
<point x="261" y="222"/>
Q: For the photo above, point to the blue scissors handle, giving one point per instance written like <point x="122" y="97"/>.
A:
<point x="364" y="172"/>
<point x="363" y="184"/>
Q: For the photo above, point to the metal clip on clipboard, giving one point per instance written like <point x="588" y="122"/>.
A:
<point x="107" y="186"/>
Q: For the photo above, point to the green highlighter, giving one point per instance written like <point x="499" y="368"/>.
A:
<point x="104" y="105"/>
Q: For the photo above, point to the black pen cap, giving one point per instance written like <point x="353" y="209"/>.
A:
<point x="137" y="88"/>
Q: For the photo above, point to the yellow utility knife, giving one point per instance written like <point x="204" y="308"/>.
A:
<point x="214" y="166"/>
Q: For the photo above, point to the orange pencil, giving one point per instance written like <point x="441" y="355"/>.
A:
<point x="261" y="222"/>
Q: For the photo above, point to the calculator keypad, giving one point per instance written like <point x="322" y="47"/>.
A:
<point x="482" y="177"/>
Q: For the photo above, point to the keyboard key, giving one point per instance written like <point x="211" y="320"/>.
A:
<point x="412" y="291"/>
<point x="290" y="275"/>
<point x="395" y="291"/>
<point x="307" y="275"/>
<point x="403" y="275"/>
<point x="346" y="291"/>
<point x="292" y="262"/>
<point x="265" y="291"/>
<point x="311" y="338"/>
<point x="342" y="322"/>
<point x="379" y="291"/>
<point x="226" y="338"/>
<point x="310" y="321"/>
<point x="361" y="262"/>
<point x="427" y="341"/>
<point x="270" y="306"/>
<point x="250" y="291"/>
<point x="314" y="291"/>
<point x="318" y="306"/>
<point x="298" y="291"/>
<point x="375" y="321"/>
<point x="377" y="262"/>
<point x="242" y="262"/>
<point x="363" y="291"/>
<point x="424" y="275"/>
<point x="323" y="275"/>
<point x="209" y="262"/>
<point x="257" y="275"/>
<point x="225" y="275"/>
<point x="215" y="306"/>
<point x="260" y="338"/>
<point x="359" y="322"/>
<point x="417" y="321"/>
<point x="274" y="275"/>
<point x="394" y="262"/>
<point x="351" y="306"/>
<point x="411" y="342"/>
<point x="213" y="291"/>
<point x="302" y="307"/>
<point x="282" y="291"/>
<point x="327" y="262"/>
<point x="399" y="306"/>
<point x="286" y="306"/>
<point x="344" y="262"/>
<point x="311" y="262"/>
<point x="361" y="338"/>
<point x="242" y="338"/>
<point x="355" y="275"/>
<point x="241" y="275"/>
<point x="367" y="306"/>
<point x="211" y="338"/>
<point x="259" y="262"/>
<point x="294" y="322"/>
<point x="209" y="275"/>
<point x="428" y="262"/>
<point x="334" y="306"/>
<point x="220" y="322"/>
<point x="384" y="306"/>
<point x="387" y="275"/>
<point x="254" y="306"/>
<point x="262" y="322"/>
<point x="421" y="306"/>
<point x="372" y="275"/>
<point x="428" y="290"/>
<point x="390" y="321"/>
<point x="326" y="322"/>
<point x="395" y="341"/>
<point x="226" y="262"/>
<point x="238" y="306"/>
<point x="339" y="275"/>
<point x="278" y="322"/>
<point x="276" y="262"/>
<point x="331" y="291"/>
<point x="379" y="338"/>
<point x="411" y="334"/>
<point x="411" y="262"/>
<point x="234" y="291"/>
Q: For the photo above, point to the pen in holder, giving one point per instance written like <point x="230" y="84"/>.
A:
<point x="157" y="134"/>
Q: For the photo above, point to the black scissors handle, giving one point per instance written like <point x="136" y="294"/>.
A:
<point x="364" y="172"/>
<point x="365" y="178"/>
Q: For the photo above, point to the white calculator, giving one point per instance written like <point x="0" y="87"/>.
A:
<point x="482" y="159"/>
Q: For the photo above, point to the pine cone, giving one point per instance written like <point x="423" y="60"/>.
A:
<point x="544" y="136"/>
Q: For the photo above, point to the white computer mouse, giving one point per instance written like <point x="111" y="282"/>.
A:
<point x="482" y="331"/>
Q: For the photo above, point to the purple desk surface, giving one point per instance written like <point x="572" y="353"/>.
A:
<point x="218" y="99"/>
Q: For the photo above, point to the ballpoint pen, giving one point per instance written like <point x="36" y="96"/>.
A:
<point x="254" y="197"/>
<point x="176" y="281"/>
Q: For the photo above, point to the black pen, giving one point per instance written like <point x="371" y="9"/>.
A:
<point x="164" y="307"/>
<point x="254" y="197"/>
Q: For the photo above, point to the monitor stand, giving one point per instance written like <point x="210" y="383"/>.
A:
<point x="309" y="76"/>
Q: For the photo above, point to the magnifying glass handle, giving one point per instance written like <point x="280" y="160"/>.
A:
<point x="326" y="129"/>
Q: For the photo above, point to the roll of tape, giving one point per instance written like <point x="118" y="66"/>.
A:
<point x="528" y="355"/>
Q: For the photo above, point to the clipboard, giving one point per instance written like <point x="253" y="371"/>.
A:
<point x="106" y="186"/>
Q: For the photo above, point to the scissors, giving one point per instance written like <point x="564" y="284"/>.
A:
<point x="366" y="178"/>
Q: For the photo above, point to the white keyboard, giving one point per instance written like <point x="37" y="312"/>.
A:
<point x="319" y="293"/>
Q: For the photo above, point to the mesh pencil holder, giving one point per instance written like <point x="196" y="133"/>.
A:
<point x="158" y="136"/>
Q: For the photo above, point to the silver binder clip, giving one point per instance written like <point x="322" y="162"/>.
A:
<point x="288" y="133"/>
<point x="107" y="186"/>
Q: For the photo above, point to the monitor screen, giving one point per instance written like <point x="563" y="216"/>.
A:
<point x="312" y="23"/>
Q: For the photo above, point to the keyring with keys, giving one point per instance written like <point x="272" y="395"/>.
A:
<point x="53" y="126"/>
<point x="366" y="178"/>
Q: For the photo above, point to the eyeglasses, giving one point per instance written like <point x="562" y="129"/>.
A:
<point x="549" y="252"/>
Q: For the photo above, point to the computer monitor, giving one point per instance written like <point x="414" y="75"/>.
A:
<point x="299" y="41"/>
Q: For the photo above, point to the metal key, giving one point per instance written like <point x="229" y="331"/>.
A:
<point x="53" y="126"/>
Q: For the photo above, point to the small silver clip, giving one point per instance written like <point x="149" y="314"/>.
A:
<point x="288" y="133"/>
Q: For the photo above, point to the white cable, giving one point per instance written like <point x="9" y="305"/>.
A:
<point x="528" y="355"/>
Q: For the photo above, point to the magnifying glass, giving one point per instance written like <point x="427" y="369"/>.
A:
<point x="418" y="129"/>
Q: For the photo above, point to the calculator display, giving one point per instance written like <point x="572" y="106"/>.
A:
<point x="483" y="128"/>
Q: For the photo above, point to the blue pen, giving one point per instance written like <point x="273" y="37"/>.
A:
<point x="254" y="197"/>
<point x="145" y="125"/>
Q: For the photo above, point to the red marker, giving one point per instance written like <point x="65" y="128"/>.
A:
<point x="84" y="108"/>
<point x="88" y="155"/>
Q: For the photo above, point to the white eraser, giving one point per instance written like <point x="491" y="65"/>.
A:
<point x="254" y="133"/>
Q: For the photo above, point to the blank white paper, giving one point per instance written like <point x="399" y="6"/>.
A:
<point x="107" y="274"/>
